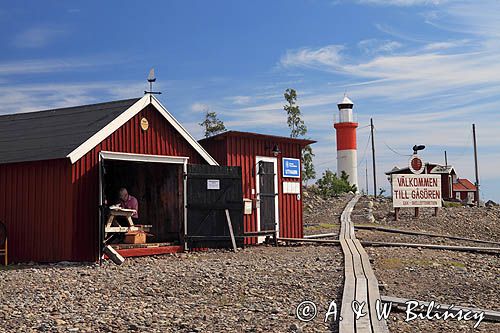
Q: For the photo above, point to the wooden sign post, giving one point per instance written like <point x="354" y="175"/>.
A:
<point x="416" y="190"/>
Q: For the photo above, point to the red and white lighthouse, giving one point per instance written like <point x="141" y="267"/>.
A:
<point x="347" y="159"/>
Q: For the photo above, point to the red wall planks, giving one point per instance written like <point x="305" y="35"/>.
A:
<point x="160" y="139"/>
<point x="237" y="150"/>
<point x="35" y="204"/>
<point x="51" y="207"/>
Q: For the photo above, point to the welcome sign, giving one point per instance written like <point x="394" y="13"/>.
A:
<point x="416" y="190"/>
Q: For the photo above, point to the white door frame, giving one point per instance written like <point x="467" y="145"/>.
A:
<point x="111" y="155"/>
<point x="273" y="160"/>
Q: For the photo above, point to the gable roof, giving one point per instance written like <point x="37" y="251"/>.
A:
<point x="73" y="132"/>
<point x="54" y="133"/>
<point x="302" y="142"/>
<point x="463" y="184"/>
<point x="433" y="168"/>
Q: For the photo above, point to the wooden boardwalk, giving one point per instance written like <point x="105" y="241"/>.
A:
<point x="360" y="283"/>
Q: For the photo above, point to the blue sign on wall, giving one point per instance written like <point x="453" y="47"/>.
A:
<point x="291" y="167"/>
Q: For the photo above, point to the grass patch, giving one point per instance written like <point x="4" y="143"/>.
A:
<point x="448" y="204"/>
<point x="397" y="263"/>
<point x="456" y="264"/>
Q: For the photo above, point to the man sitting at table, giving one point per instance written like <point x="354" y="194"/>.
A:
<point x="128" y="201"/>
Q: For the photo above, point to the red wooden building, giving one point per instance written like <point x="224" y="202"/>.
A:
<point x="51" y="183"/>
<point x="464" y="190"/>
<point x="61" y="169"/>
<point x="271" y="187"/>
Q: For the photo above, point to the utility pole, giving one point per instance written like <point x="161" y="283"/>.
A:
<point x="445" y="159"/>
<point x="366" y="176"/>
<point x="373" y="159"/>
<point x="475" y="162"/>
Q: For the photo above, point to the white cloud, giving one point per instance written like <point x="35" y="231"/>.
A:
<point x="33" y="97"/>
<point x="374" y="46"/>
<point x="403" y="2"/>
<point x="445" y="45"/>
<point x="199" y="107"/>
<point x="240" y="100"/>
<point x="38" y="37"/>
<point x="325" y="56"/>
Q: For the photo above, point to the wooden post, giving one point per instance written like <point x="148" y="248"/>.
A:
<point x="417" y="212"/>
<point x="373" y="161"/>
<point x="436" y="211"/>
<point x="229" y="224"/>
<point x="6" y="254"/>
<point x="366" y="177"/>
<point x="396" y="213"/>
<point x="475" y="162"/>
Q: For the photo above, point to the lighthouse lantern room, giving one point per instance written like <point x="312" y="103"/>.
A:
<point x="346" y="141"/>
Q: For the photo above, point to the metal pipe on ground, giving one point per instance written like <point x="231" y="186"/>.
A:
<point x="321" y="236"/>
<point x="411" y="232"/>
<point x="494" y="250"/>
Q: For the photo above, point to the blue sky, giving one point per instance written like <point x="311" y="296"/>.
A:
<point x="425" y="70"/>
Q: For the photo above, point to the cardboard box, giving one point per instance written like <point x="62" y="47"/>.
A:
<point x="135" y="237"/>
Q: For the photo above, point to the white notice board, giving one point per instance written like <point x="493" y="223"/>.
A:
<point x="411" y="190"/>
<point x="213" y="184"/>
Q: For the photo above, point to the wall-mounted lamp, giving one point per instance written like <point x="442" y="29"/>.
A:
<point x="276" y="150"/>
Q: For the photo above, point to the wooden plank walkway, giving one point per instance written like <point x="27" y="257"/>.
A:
<point x="360" y="283"/>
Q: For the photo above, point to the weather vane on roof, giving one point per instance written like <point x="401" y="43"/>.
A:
<point x="151" y="79"/>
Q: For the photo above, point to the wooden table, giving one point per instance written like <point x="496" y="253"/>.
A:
<point x="112" y="225"/>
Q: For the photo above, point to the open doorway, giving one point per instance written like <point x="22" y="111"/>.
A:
<point x="157" y="183"/>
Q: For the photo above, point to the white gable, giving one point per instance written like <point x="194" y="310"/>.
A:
<point x="128" y="114"/>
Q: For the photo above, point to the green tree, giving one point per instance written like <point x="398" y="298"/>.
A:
<point x="308" y="171"/>
<point x="212" y="125"/>
<point x="298" y="129"/>
<point x="330" y="184"/>
<point x="294" y="121"/>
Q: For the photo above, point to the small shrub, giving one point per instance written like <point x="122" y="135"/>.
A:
<point x="330" y="185"/>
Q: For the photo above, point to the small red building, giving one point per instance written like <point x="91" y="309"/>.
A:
<point x="464" y="190"/>
<point x="271" y="178"/>
<point x="58" y="167"/>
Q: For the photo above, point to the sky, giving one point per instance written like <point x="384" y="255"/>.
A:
<point x="424" y="70"/>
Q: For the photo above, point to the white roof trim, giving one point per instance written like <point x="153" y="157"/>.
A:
<point x="111" y="155"/>
<point x="128" y="114"/>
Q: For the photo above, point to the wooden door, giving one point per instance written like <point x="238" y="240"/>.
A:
<point x="267" y="196"/>
<point x="211" y="190"/>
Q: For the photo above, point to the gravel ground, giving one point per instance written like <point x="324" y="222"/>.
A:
<point x="254" y="290"/>
<point x="471" y="222"/>
<point x="259" y="288"/>
<point x="448" y="277"/>
<point x="322" y="215"/>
